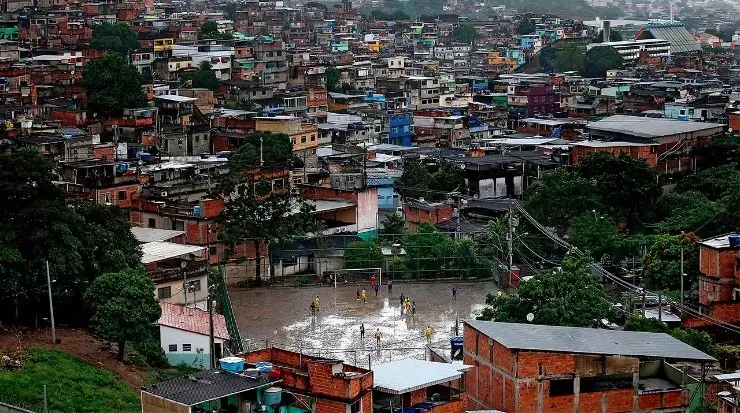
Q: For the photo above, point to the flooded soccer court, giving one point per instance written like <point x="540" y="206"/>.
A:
<point x="282" y="317"/>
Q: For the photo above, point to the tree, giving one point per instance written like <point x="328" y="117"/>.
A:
<point x="447" y="178"/>
<point x="548" y="58"/>
<point x="112" y="84"/>
<point x="600" y="59"/>
<point x="649" y="325"/>
<point x="662" y="263"/>
<point x="569" y="58"/>
<point x="393" y="229"/>
<point x="257" y="211"/>
<point x="362" y="254"/>
<point x="559" y="197"/>
<point x="79" y="239"/>
<point x="596" y="236"/>
<point x="699" y="340"/>
<point x="525" y="27"/>
<point x="422" y="250"/>
<point x="379" y="15"/>
<point x="209" y="29"/>
<point x="567" y="296"/>
<point x="614" y="36"/>
<point x="464" y="33"/>
<point x="123" y="306"/>
<point x="414" y="181"/>
<point x="691" y="211"/>
<point x="115" y="38"/>
<point x="400" y="15"/>
<point x="332" y="79"/>
<point x="627" y="187"/>
<point x="204" y="77"/>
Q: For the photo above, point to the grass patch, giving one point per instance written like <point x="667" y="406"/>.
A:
<point x="159" y="375"/>
<point x="72" y="385"/>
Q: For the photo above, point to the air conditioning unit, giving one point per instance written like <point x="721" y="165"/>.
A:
<point x="710" y="297"/>
<point x="163" y="193"/>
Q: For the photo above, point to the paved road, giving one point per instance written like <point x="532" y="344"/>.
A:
<point x="282" y="317"/>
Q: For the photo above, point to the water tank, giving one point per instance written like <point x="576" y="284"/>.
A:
<point x="145" y="156"/>
<point x="196" y="211"/>
<point x="263" y="366"/>
<point x="734" y="240"/>
<point x="273" y="395"/>
<point x="232" y="364"/>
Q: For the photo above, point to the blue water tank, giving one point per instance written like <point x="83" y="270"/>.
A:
<point x="273" y="396"/>
<point x="196" y="211"/>
<point x="263" y="366"/>
<point x="145" y="156"/>
<point x="734" y="240"/>
<point x="232" y="364"/>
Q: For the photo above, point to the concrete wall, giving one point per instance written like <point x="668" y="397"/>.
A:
<point x="154" y="404"/>
<point x="6" y="408"/>
<point x="168" y="335"/>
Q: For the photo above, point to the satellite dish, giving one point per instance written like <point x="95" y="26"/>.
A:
<point x="530" y="317"/>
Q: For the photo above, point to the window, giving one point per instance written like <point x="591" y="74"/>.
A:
<point x="313" y="138"/>
<point x="172" y="348"/>
<point x="164" y="293"/>
<point x="303" y="139"/>
<point x="121" y="194"/>
<point x="197" y="138"/>
<point x="187" y="347"/>
<point x="561" y="387"/>
<point x="152" y="223"/>
<point x="212" y="250"/>
<point x="194" y="285"/>
<point x="477" y="338"/>
<point x="355" y="407"/>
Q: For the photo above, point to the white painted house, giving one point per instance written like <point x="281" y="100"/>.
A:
<point x="183" y="334"/>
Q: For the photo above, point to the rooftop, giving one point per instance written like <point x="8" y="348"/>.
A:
<point x="649" y="127"/>
<point x="158" y="251"/>
<point x="583" y="340"/>
<point x="176" y="98"/>
<point x="153" y="234"/>
<point x="718" y="242"/>
<point x="206" y="386"/>
<point x="193" y="320"/>
<point x="407" y="375"/>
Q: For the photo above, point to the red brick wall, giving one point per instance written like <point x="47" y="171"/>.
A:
<point x="618" y="400"/>
<point x="415" y="216"/>
<point x="552" y="363"/>
<point x="320" y="192"/>
<point x="715" y="263"/>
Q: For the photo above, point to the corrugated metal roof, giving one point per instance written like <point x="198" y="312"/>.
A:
<point x="207" y="385"/>
<point x="649" y="127"/>
<point x="193" y="320"/>
<point x="403" y="376"/>
<point x="676" y="34"/>
<point x="158" y="251"/>
<point x="583" y="340"/>
<point x="154" y="234"/>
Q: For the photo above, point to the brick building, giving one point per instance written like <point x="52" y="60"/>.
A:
<point x="417" y="211"/>
<point x="535" y="368"/>
<point x="330" y="385"/>
<point x="719" y="281"/>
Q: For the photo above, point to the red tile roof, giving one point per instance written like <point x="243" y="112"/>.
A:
<point x="193" y="320"/>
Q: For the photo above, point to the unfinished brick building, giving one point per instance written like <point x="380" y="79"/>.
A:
<point x="526" y="368"/>
<point x="330" y="385"/>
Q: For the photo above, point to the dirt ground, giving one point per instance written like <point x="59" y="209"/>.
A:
<point x="75" y="342"/>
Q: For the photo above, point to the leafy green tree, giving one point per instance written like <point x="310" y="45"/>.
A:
<point x="626" y="186"/>
<point x="559" y="197"/>
<point x="699" y="340"/>
<point x="79" y="239"/>
<point x="332" y="79"/>
<point x="393" y="229"/>
<point x="115" y="38"/>
<point x="379" y="15"/>
<point x="112" y="84"/>
<point x="209" y="29"/>
<point x="461" y="259"/>
<point x="204" y="77"/>
<point x="662" y="263"/>
<point x="691" y="211"/>
<point x="256" y="210"/>
<point x="570" y="296"/>
<point x="464" y="33"/>
<point x="548" y="58"/>
<point x="714" y="183"/>
<point x="448" y="178"/>
<point x="569" y="58"/>
<point x="596" y="236"/>
<point x="649" y="325"/>
<point x="414" y="181"/>
<point x="400" y="15"/>
<point x="362" y="254"/>
<point x="123" y="306"/>
<point x="423" y="256"/>
<point x="525" y="27"/>
<point x="600" y="59"/>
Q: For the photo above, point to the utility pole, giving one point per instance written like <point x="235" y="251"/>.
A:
<point x="184" y="264"/>
<point x="510" y="241"/>
<point x="211" y="346"/>
<point x="46" y="402"/>
<point x="262" y="161"/>
<point x="51" y="308"/>
<point x="681" y="279"/>
<point x="459" y="211"/>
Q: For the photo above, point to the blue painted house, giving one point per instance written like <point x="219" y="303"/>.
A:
<point x="400" y="128"/>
